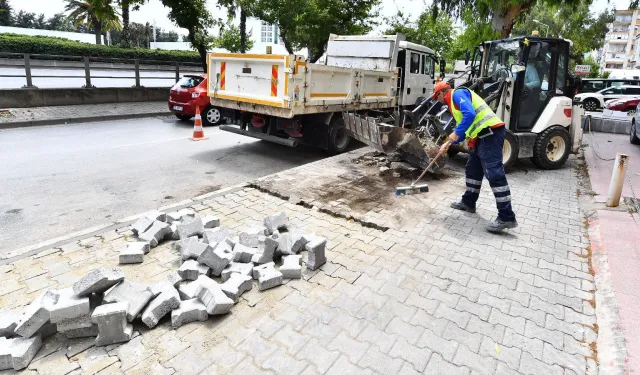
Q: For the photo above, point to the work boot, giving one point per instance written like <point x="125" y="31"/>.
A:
<point x="462" y="207"/>
<point x="499" y="225"/>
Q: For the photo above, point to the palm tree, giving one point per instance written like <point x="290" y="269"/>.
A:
<point x="98" y="13"/>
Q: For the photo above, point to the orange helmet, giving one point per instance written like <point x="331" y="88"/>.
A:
<point x="439" y="87"/>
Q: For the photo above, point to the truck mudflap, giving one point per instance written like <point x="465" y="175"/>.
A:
<point x="386" y="138"/>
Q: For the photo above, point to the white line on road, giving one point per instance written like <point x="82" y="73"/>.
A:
<point x="144" y="143"/>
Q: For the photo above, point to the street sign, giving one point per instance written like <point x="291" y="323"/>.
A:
<point x="583" y="69"/>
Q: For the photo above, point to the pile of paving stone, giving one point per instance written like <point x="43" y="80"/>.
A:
<point x="217" y="268"/>
<point x="388" y="164"/>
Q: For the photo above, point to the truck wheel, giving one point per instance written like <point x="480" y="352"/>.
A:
<point x="211" y="116"/>
<point x="551" y="148"/>
<point x="509" y="150"/>
<point x="338" y="137"/>
<point x="591" y="105"/>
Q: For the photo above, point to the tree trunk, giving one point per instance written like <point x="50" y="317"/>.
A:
<point x="243" y="31"/>
<point x="126" y="31"/>
<point x="97" y="29"/>
<point x="201" y="48"/>
<point x="504" y="19"/>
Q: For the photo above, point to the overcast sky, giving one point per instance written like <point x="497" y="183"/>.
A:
<point x="154" y="11"/>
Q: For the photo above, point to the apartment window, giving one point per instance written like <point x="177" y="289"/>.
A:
<point x="266" y="33"/>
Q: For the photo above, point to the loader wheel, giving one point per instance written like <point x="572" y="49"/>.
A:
<point x="509" y="150"/>
<point x="338" y="137"/>
<point x="551" y="148"/>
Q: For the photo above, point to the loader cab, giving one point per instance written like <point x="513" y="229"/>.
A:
<point x="417" y="66"/>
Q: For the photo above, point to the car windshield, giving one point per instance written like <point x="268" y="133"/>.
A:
<point x="502" y="55"/>
<point x="609" y="91"/>
<point x="190" y="81"/>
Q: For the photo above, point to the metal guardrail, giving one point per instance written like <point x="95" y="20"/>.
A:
<point x="28" y="75"/>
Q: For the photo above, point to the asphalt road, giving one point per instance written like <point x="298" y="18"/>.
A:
<point x="59" y="179"/>
<point x="63" y="81"/>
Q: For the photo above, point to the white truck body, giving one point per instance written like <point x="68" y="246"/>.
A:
<point x="360" y="73"/>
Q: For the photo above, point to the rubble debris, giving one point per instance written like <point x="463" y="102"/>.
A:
<point x="212" y="296"/>
<point x="189" y="289"/>
<point x="98" y="280"/>
<point x="141" y="225"/>
<point x="233" y="267"/>
<point x="111" y="319"/>
<point x="172" y="281"/>
<point x="291" y="243"/>
<point x="155" y="233"/>
<point x="216" y="235"/>
<point x="243" y="254"/>
<point x="133" y="253"/>
<point x="191" y="269"/>
<point x="291" y="267"/>
<point x="17" y="353"/>
<point x="236" y="285"/>
<point x="267" y="276"/>
<point x="69" y="306"/>
<point x="189" y="311"/>
<point x="180" y="215"/>
<point x="249" y="236"/>
<point x="37" y="313"/>
<point x="276" y="222"/>
<point x="191" y="248"/>
<point x="137" y="295"/>
<point x="316" y="249"/>
<point x="267" y="247"/>
<point x="210" y="221"/>
<point x="8" y="322"/>
<point x="190" y="226"/>
<point x="216" y="258"/>
<point x="166" y="301"/>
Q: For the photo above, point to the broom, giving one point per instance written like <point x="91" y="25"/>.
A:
<point x="422" y="188"/>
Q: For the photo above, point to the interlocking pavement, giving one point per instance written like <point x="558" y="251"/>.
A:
<point x="428" y="292"/>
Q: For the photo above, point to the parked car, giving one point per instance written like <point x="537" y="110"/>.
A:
<point x="634" y="135"/>
<point x="597" y="84"/>
<point x="624" y="105"/>
<point x="594" y="101"/>
<point x="191" y="92"/>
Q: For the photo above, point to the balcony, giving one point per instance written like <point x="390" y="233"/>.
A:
<point x="618" y="41"/>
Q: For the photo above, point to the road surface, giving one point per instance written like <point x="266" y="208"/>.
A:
<point x="59" y="179"/>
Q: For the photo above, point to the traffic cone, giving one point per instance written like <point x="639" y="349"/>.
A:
<point x="198" y="133"/>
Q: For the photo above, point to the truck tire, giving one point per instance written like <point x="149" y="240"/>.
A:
<point x="339" y="138"/>
<point x="211" y="116"/>
<point x="510" y="150"/>
<point x="551" y="148"/>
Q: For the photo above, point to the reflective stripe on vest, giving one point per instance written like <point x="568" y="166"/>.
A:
<point x="485" y="117"/>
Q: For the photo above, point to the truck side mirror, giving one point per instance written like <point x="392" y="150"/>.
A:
<point x="467" y="57"/>
<point x="443" y="65"/>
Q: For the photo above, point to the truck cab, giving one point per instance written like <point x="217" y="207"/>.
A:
<point x="416" y="65"/>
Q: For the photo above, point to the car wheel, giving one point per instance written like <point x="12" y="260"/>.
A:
<point x="633" y="133"/>
<point x="183" y="117"/>
<point x="631" y="112"/>
<point x="211" y="116"/>
<point x="339" y="138"/>
<point x="591" y="105"/>
<point x="551" y="148"/>
<point x="509" y="150"/>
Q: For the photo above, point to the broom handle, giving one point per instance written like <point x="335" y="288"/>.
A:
<point x="430" y="164"/>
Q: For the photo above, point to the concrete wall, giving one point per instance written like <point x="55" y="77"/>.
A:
<point x="26" y="98"/>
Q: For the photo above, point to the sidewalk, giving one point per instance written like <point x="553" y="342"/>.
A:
<point x="411" y="286"/>
<point x="20" y="117"/>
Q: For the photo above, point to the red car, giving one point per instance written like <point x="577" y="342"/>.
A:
<point x="191" y="92"/>
<point x="624" y="104"/>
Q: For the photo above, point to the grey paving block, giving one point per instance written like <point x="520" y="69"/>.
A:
<point x="132" y="254"/>
<point x="179" y="245"/>
<point x="236" y="285"/>
<point x="156" y="233"/>
<point x="192" y="248"/>
<point x="212" y="296"/>
<point x="160" y="286"/>
<point x="37" y="313"/>
<point x="173" y="231"/>
<point x="174" y="278"/>
<point x="69" y="306"/>
<point x="243" y="254"/>
<point x="5" y="354"/>
<point x="77" y="333"/>
<point x="46" y="330"/>
<point x="141" y="225"/>
<point x="291" y="243"/>
<point x="241" y="268"/>
<point x="98" y="280"/>
<point x="210" y="221"/>
<point x="263" y="268"/>
<point x="22" y="351"/>
<point x="191" y="269"/>
<point x="216" y="235"/>
<point x="190" y="227"/>
<point x="249" y="236"/>
<point x="276" y="222"/>
<point x="137" y="295"/>
<point x="267" y="247"/>
<point x="166" y="301"/>
<point x="83" y="321"/>
<point x="316" y="248"/>
<point x="216" y="258"/>
<point x="189" y="311"/>
<point x="8" y="322"/>
<point x="291" y="267"/>
<point x="269" y="279"/>
<point x="180" y="215"/>
<point x="111" y="320"/>
<point x="189" y="289"/>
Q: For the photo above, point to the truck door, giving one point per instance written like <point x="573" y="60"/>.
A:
<point x="413" y="78"/>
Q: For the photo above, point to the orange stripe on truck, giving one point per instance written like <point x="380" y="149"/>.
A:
<point x="274" y="80"/>
<point x="223" y="70"/>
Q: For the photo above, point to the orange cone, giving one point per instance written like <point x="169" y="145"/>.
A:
<point x="198" y="132"/>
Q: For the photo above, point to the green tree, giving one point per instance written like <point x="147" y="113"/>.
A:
<point x="166" y="36"/>
<point x="125" y="7"/>
<point x="25" y="20"/>
<point x="246" y="10"/>
<point x="6" y="13"/>
<point x="231" y="40"/>
<point x="193" y="16"/>
<point x="307" y="24"/>
<point x="435" y="33"/>
<point x="58" y="22"/>
<point x="40" y="22"/>
<point x="500" y="14"/>
<point x="595" y="67"/>
<point x="97" y="13"/>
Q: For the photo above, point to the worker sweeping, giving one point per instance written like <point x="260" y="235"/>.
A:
<point x="485" y="133"/>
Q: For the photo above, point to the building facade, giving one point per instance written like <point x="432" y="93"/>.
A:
<point x="619" y="50"/>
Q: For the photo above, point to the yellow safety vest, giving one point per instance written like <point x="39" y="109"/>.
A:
<point x="485" y="117"/>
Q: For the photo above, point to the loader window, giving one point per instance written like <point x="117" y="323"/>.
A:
<point x="414" y="68"/>
<point x="500" y="58"/>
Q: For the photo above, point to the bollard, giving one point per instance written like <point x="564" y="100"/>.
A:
<point x="27" y="70"/>
<point x="617" y="180"/>
<point x="87" y="72"/>
<point x="177" y="71"/>
<point x="137" y="73"/>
